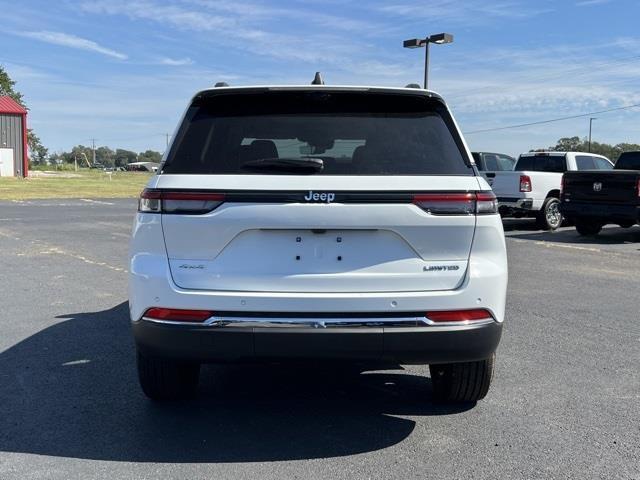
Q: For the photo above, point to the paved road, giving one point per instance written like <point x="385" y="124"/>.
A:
<point x="565" y="402"/>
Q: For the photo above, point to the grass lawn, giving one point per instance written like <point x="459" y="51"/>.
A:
<point x="84" y="184"/>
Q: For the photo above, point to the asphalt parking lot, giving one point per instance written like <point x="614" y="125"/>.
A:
<point x="565" y="402"/>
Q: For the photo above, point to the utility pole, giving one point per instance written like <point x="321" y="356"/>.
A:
<point x="590" y="125"/>
<point x="168" y="135"/>
<point x="93" y="149"/>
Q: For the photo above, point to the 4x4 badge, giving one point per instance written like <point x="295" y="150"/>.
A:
<point x="597" y="186"/>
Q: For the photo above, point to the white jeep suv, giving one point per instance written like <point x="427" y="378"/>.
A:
<point x="317" y="223"/>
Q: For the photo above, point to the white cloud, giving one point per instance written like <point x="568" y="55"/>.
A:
<point x="631" y="44"/>
<point x="259" y="12"/>
<point x="176" y="16"/>
<point x="588" y="3"/>
<point x="469" y="12"/>
<point x="72" y="41"/>
<point x="239" y="32"/>
<point x="176" y="62"/>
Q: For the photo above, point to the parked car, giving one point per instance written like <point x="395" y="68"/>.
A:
<point x="317" y="223"/>
<point x="593" y="199"/>
<point x="142" y="167"/>
<point x="493" y="162"/>
<point x="533" y="188"/>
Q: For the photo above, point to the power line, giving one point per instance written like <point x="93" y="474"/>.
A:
<point x="508" y="127"/>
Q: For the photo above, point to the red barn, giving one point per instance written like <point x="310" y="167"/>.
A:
<point x="13" y="139"/>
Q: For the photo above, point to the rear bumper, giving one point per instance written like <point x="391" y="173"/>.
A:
<point x="510" y="205"/>
<point x="607" y="213"/>
<point x="423" y="344"/>
<point x="484" y="286"/>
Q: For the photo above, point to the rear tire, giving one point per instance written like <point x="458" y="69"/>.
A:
<point x="462" y="382"/>
<point x="549" y="217"/>
<point x="587" y="227"/>
<point x="167" y="379"/>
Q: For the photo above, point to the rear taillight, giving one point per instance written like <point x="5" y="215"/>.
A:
<point x="457" y="316"/>
<point x="457" y="203"/>
<point x="160" y="201"/>
<point x="525" y="183"/>
<point x="486" y="203"/>
<point x="638" y="187"/>
<point x="561" y="185"/>
<point x="177" y="315"/>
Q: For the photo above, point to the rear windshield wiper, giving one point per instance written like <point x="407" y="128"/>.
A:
<point x="307" y="165"/>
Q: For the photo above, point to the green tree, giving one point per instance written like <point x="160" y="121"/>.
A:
<point x="150" y="156"/>
<point x="105" y="156"/>
<point x="124" y="157"/>
<point x="55" y="158"/>
<point x="79" y="153"/>
<point x="576" y="144"/>
<point x="568" y="144"/>
<point x="6" y="87"/>
<point x="37" y="152"/>
<point x="625" y="147"/>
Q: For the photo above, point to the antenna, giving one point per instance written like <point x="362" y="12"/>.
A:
<point x="317" y="80"/>
<point x="221" y="84"/>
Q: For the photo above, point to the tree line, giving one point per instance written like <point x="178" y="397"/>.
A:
<point x="577" y="144"/>
<point x="105" y="156"/>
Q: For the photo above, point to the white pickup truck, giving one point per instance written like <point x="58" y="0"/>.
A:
<point x="533" y="188"/>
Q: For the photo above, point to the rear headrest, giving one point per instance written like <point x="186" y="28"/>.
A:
<point x="263" y="149"/>
<point x="244" y="153"/>
<point x="358" y="155"/>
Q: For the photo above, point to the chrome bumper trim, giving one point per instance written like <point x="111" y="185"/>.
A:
<point x="520" y="204"/>
<point x="319" y="323"/>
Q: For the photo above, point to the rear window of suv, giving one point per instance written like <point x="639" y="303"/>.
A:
<point x="337" y="133"/>
<point x="542" y="163"/>
<point x="629" y="161"/>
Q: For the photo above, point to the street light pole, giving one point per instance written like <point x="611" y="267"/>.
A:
<point x="440" y="38"/>
<point x="426" y="65"/>
<point x="590" y="126"/>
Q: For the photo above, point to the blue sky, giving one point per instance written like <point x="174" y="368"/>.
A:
<point x="123" y="71"/>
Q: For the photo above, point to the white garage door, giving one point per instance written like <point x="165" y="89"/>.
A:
<point x="7" y="166"/>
